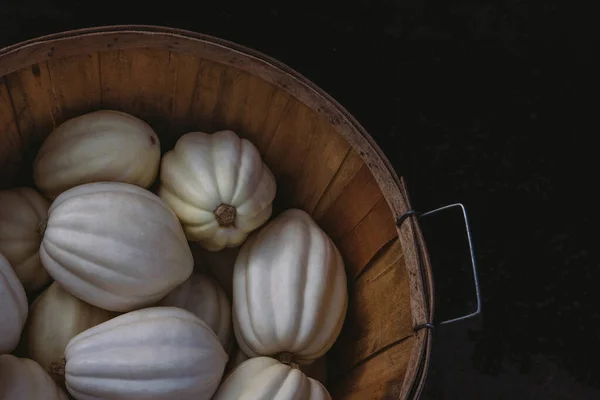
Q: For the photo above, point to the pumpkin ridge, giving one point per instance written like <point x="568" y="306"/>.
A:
<point x="185" y="168"/>
<point x="303" y="281"/>
<point x="240" y="167"/>
<point x="75" y="253"/>
<point x="212" y="169"/>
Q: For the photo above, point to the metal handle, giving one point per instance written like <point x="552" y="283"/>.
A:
<point x="472" y="253"/>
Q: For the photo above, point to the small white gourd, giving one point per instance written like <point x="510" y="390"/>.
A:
<point x="289" y="290"/>
<point x="264" y="378"/>
<point x="219" y="187"/>
<point x="55" y="317"/>
<point x="24" y="379"/>
<point x="160" y="353"/>
<point x="203" y="297"/>
<point x="115" y="246"/>
<point x="104" y="145"/>
<point x="13" y="308"/>
<point x="22" y="212"/>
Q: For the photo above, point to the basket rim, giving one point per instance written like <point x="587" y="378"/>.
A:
<point x="39" y="49"/>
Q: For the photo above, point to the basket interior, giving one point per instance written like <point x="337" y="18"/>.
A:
<point x="316" y="170"/>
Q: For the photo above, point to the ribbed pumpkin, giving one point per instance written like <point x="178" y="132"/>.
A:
<point x="115" y="245"/>
<point x="155" y="353"/>
<point x="289" y="290"/>
<point x="24" y="379"/>
<point x="219" y="187"/>
<point x="22" y="212"/>
<point x="103" y="145"/>
<point x="56" y="317"/>
<point x="203" y="297"/>
<point x="13" y="307"/>
<point x="264" y="378"/>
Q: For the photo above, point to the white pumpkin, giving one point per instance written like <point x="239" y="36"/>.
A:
<point x="55" y="317"/>
<point x="115" y="245"/>
<point x="203" y="297"/>
<point x="289" y="290"/>
<point x="104" y="145"/>
<point x="264" y="378"/>
<point x="218" y="186"/>
<point x="13" y="308"/>
<point x="22" y="212"/>
<point x="24" y="379"/>
<point x="154" y="353"/>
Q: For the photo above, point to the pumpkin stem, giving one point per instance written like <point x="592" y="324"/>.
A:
<point x="41" y="228"/>
<point x="58" y="367"/>
<point x="287" y="358"/>
<point x="225" y="215"/>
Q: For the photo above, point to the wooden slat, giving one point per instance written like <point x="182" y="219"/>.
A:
<point x="324" y="157"/>
<point x="379" y="308"/>
<point x="10" y="139"/>
<point x="186" y="69"/>
<point x="140" y="82"/>
<point x="381" y="377"/>
<point x="352" y="205"/>
<point x="266" y="104"/>
<point x="367" y="238"/>
<point x="290" y="144"/>
<point x="34" y="101"/>
<point x="233" y="100"/>
<point x="75" y="84"/>
<point x="206" y="96"/>
<point x="344" y="175"/>
<point x="36" y="109"/>
<point x="114" y="70"/>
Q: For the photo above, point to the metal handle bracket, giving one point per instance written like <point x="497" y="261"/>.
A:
<point x="414" y="213"/>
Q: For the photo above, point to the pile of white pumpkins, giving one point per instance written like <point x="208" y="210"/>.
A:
<point x="99" y="298"/>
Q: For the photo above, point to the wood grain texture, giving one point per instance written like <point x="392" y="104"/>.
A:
<point x="380" y="377"/>
<point x="180" y="80"/>
<point x="324" y="157"/>
<point x="355" y="201"/>
<point x="379" y="308"/>
<point x="10" y="141"/>
<point x="140" y="82"/>
<point x="75" y="83"/>
<point x="37" y="112"/>
<point x="364" y="241"/>
<point x="350" y="166"/>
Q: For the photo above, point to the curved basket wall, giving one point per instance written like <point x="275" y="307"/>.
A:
<point x="324" y="161"/>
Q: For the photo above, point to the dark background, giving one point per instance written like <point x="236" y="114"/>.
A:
<point x="492" y="104"/>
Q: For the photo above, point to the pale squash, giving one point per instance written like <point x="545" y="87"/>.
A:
<point x="55" y="317"/>
<point x="264" y="378"/>
<point x="154" y="353"/>
<point x="22" y="213"/>
<point x="13" y="307"/>
<point x="289" y="290"/>
<point x="104" y="145"/>
<point x="115" y="246"/>
<point x="203" y="297"/>
<point x="218" y="186"/>
<point x="24" y="379"/>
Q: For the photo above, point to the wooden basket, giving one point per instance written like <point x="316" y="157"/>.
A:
<point x="324" y="162"/>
